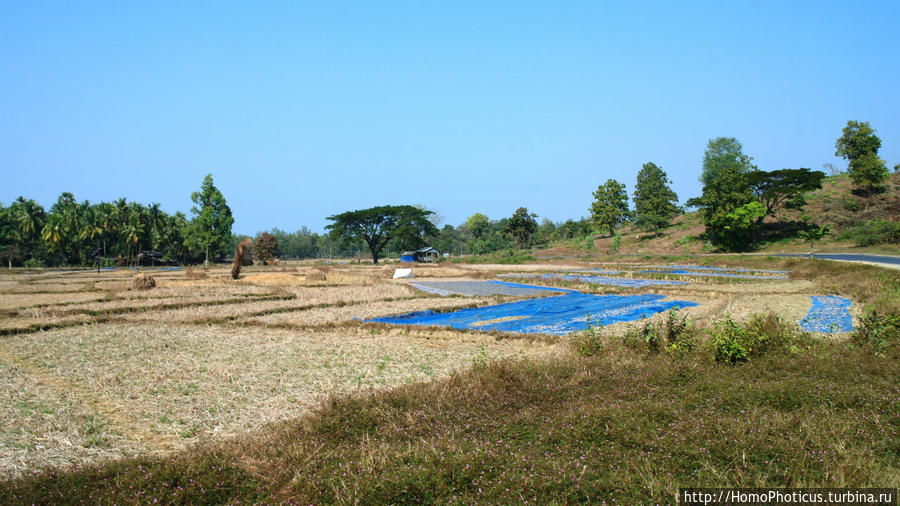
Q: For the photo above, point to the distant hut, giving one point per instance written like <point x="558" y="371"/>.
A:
<point x="423" y="255"/>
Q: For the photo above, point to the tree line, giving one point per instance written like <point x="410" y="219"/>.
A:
<point x="114" y="233"/>
<point x="736" y="200"/>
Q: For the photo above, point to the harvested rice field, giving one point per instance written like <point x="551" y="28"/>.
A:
<point x="93" y="370"/>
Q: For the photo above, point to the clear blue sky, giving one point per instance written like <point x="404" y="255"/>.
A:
<point x="305" y="109"/>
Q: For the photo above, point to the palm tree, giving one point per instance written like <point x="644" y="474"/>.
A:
<point x="54" y="232"/>
<point x="29" y="217"/>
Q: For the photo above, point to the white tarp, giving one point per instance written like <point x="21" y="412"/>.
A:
<point x="403" y="273"/>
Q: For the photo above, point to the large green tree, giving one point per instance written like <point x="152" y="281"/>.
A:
<point x="521" y="227"/>
<point x="377" y="226"/>
<point x="783" y="188"/>
<point x="724" y="154"/>
<point x="859" y="146"/>
<point x="610" y="206"/>
<point x="655" y="204"/>
<point x="212" y="220"/>
<point x="478" y="225"/>
<point x="9" y="248"/>
<point x="730" y="210"/>
<point x="29" y="218"/>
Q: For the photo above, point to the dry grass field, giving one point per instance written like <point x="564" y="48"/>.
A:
<point x="92" y="370"/>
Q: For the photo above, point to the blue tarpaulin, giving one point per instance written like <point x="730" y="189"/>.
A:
<point x="559" y="315"/>
<point x="600" y="280"/>
<point x="828" y="314"/>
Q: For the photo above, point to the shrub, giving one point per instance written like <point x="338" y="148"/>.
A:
<point x="589" y="342"/>
<point x="880" y="331"/>
<point x="730" y="342"/>
<point x="34" y="262"/>
<point x="874" y="233"/>
<point x="734" y="343"/>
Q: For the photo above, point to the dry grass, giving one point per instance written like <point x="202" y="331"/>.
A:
<point x="195" y="274"/>
<point x="193" y="383"/>
<point x="12" y="301"/>
<point x="333" y="315"/>
<point x="146" y="382"/>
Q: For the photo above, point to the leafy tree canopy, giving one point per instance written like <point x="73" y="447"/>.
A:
<point x="783" y="188"/>
<point x="521" y="226"/>
<point x="379" y="225"/>
<point x="724" y="153"/>
<point x="730" y="211"/>
<point x="859" y="146"/>
<point x="610" y="206"/>
<point x="654" y="201"/>
<point x="478" y="225"/>
<point x="211" y="224"/>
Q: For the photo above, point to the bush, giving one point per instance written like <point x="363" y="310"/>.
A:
<point x="874" y="233"/>
<point x="730" y="342"/>
<point x="34" y="262"/>
<point x="734" y="343"/>
<point x="880" y="331"/>
<point x="589" y="342"/>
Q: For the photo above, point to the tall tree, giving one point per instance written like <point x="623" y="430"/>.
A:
<point x="724" y="153"/>
<point x="9" y="247"/>
<point x="211" y="224"/>
<point x="610" y="206"/>
<point x="654" y="201"/>
<point x="477" y="225"/>
<point x="730" y="211"/>
<point x="377" y="226"/>
<point x="859" y="146"/>
<point x="521" y="226"/>
<point x="29" y="218"/>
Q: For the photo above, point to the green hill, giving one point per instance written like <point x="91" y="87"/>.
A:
<point x="851" y="219"/>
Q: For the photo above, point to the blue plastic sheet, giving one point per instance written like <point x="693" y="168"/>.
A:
<point x="597" y="271"/>
<point x="559" y="315"/>
<point x="482" y="288"/>
<point x="599" y="280"/>
<point x="711" y="274"/>
<point x="828" y="314"/>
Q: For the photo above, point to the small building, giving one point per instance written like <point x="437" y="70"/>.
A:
<point x="425" y="255"/>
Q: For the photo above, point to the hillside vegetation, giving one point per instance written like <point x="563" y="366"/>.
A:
<point x="857" y="224"/>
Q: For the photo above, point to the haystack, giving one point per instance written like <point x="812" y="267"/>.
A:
<point x="142" y="281"/>
<point x="387" y="272"/>
<point x="315" y="275"/>
<point x="240" y="256"/>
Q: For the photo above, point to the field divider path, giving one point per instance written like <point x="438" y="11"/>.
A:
<point x="164" y="306"/>
<point x="113" y="413"/>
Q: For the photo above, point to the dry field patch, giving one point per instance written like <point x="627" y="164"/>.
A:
<point x="192" y="383"/>
<point x="13" y="301"/>
<point x="339" y="314"/>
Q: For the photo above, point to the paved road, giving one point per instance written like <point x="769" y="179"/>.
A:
<point x="854" y="257"/>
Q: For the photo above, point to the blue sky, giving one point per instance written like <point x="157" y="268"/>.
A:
<point x="305" y="109"/>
